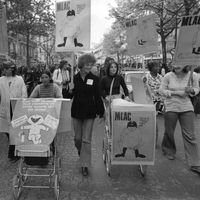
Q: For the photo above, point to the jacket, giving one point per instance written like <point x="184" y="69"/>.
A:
<point x="87" y="102"/>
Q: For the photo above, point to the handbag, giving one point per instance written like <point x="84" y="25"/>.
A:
<point x="194" y="99"/>
<point x="196" y="103"/>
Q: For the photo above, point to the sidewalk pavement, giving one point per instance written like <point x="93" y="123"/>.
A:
<point x="166" y="180"/>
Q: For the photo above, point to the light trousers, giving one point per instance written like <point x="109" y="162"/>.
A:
<point x="83" y="136"/>
<point x="186" y="120"/>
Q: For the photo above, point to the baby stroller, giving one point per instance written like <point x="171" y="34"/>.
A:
<point x="129" y="137"/>
<point x="38" y="153"/>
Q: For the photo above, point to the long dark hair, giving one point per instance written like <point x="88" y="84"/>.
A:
<point x="62" y="63"/>
<point x="108" y="68"/>
<point x="48" y="73"/>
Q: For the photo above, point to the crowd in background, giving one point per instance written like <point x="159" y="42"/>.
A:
<point x="32" y="74"/>
<point x="92" y="84"/>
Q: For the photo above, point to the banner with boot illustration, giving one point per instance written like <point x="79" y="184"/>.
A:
<point x="141" y="35"/>
<point x="133" y="133"/>
<point x="72" y="25"/>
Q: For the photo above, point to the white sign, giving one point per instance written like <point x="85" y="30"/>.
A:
<point x="73" y="25"/>
<point x="133" y="133"/>
<point x="141" y="92"/>
<point x="188" y="46"/>
<point x="141" y="35"/>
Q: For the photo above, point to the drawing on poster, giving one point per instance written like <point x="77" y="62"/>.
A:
<point x="70" y="29"/>
<point x="131" y="140"/>
<point x="34" y="127"/>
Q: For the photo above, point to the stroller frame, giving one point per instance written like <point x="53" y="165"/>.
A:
<point x="107" y="143"/>
<point x="52" y="170"/>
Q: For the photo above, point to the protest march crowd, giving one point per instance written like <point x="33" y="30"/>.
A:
<point x="91" y="90"/>
<point x="170" y="93"/>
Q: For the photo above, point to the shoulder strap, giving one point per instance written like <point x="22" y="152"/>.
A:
<point x="111" y="86"/>
<point x="39" y="90"/>
<point x="58" y="73"/>
<point x="190" y="80"/>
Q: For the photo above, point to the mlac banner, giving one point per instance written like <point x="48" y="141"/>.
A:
<point x="187" y="50"/>
<point x="142" y="37"/>
<point x="73" y="25"/>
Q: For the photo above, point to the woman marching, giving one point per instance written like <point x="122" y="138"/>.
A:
<point x="86" y="106"/>
<point x="179" y="108"/>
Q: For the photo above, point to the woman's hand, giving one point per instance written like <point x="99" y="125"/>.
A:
<point x="189" y="90"/>
<point x="100" y="119"/>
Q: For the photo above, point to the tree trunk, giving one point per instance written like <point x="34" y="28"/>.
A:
<point x="164" y="50"/>
<point x="118" y="58"/>
<point x="163" y="42"/>
<point x="27" y="50"/>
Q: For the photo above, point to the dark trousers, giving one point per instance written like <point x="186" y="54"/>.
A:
<point x="11" y="149"/>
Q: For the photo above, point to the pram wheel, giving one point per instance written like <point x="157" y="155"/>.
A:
<point x="59" y="170"/>
<point x="17" y="186"/>
<point x="143" y="170"/>
<point x="104" y="151"/>
<point x="56" y="187"/>
<point x="108" y="162"/>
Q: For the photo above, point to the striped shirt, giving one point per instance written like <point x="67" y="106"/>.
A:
<point x="50" y="91"/>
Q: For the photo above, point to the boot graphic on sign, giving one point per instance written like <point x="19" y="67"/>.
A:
<point x="130" y="139"/>
<point x="70" y="30"/>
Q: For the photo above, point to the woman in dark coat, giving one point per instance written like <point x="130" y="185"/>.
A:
<point x="86" y="106"/>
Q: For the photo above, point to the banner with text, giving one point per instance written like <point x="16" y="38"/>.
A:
<point x="188" y="45"/>
<point x="73" y="25"/>
<point x="35" y="121"/>
<point x="142" y="37"/>
<point x="134" y="127"/>
<point x="3" y="30"/>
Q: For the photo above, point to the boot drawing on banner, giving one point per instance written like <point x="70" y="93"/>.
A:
<point x="64" y="42"/>
<point x="77" y="44"/>
<point x="122" y="154"/>
<point x="138" y="155"/>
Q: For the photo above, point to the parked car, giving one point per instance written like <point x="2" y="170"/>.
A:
<point x="128" y="75"/>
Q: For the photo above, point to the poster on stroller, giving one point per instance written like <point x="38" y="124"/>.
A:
<point x="35" y="121"/>
<point x="133" y="136"/>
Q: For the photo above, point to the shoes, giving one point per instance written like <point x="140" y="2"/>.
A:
<point x="170" y="157"/>
<point x="195" y="169"/>
<point x="61" y="45"/>
<point x="84" y="171"/>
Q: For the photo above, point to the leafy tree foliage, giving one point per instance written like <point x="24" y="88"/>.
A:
<point x="30" y="18"/>
<point x="114" y="42"/>
<point x="168" y="14"/>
